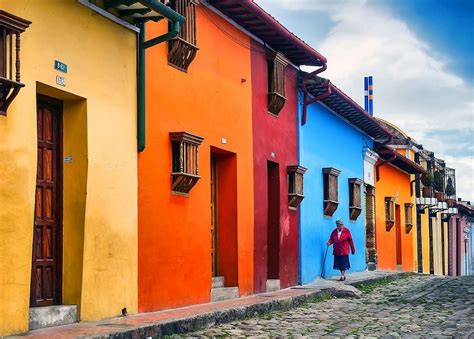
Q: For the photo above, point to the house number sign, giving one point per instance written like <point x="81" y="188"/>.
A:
<point x="61" y="81"/>
<point x="60" y="66"/>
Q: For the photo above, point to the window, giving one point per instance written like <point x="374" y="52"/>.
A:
<point x="182" y="49"/>
<point x="355" y="204"/>
<point x="10" y="29"/>
<point x="408" y="217"/>
<point x="295" y="185"/>
<point x="389" y="212"/>
<point x="185" y="172"/>
<point x="331" y="201"/>
<point x="276" y="82"/>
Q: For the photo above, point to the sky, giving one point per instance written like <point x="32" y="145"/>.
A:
<point x="421" y="55"/>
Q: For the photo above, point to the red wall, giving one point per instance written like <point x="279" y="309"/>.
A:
<point x="277" y="135"/>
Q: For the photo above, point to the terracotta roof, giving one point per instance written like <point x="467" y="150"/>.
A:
<point x="465" y="208"/>
<point x="257" y="21"/>
<point x="399" y="160"/>
<point x="341" y="104"/>
<point x="400" y="137"/>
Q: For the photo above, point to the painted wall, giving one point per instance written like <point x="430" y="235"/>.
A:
<point x="213" y="101"/>
<point x="393" y="183"/>
<point x="100" y="228"/>
<point x="460" y="256"/>
<point x="274" y="139"/>
<point x="328" y="141"/>
<point x="425" y="241"/>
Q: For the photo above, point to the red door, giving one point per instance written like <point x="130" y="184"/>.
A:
<point x="47" y="240"/>
<point x="398" y="230"/>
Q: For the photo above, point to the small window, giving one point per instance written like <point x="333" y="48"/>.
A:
<point x="276" y="82"/>
<point x="355" y="205"/>
<point x="408" y="217"/>
<point x="185" y="172"/>
<point x="331" y="201"/>
<point x="183" y="49"/>
<point x="295" y="185"/>
<point x="389" y="212"/>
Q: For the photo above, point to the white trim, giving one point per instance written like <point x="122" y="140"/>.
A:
<point x="369" y="155"/>
<point x="109" y="16"/>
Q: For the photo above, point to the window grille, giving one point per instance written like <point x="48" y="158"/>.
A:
<point x="331" y="200"/>
<point x="185" y="165"/>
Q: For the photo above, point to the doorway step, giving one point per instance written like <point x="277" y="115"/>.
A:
<point x="272" y="285"/>
<point x="48" y="316"/>
<point x="219" y="292"/>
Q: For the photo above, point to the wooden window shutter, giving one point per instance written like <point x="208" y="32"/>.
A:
<point x="295" y="185"/>
<point x="389" y="212"/>
<point x="330" y="180"/>
<point x="185" y="171"/>
<point x="355" y="205"/>
<point x="276" y="82"/>
<point x="408" y="217"/>
<point x="183" y="49"/>
<point x="11" y="28"/>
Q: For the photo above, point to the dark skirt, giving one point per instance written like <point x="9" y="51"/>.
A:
<point x="341" y="262"/>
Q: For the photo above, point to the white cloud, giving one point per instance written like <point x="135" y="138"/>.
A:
<point x="413" y="87"/>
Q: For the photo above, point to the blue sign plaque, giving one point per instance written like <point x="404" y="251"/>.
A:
<point x="60" y="66"/>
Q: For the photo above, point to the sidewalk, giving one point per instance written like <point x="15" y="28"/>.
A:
<point x="196" y="317"/>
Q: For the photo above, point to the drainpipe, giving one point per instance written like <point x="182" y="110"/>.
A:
<point x="381" y="162"/>
<point x="306" y="101"/>
<point x="177" y="20"/>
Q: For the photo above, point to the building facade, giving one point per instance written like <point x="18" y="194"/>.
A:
<point x="395" y="209"/>
<point x="332" y="146"/>
<point x="68" y="221"/>
<point x="278" y="189"/>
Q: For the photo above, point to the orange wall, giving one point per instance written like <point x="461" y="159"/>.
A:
<point x="213" y="101"/>
<point x="393" y="183"/>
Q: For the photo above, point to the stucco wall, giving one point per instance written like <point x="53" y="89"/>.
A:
<point x="393" y="183"/>
<point x="328" y="141"/>
<point x="274" y="135"/>
<point x="212" y="100"/>
<point x="101" y="57"/>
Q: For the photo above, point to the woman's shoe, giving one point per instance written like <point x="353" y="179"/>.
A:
<point x="341" y="279"/>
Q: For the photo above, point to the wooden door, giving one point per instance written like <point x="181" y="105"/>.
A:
<point x="443" y="261"/>
<point x="431" y="246"/>
<point x="214" y="216"/>
<point x="47" y="243"/>
<point x="398" y="230"/>
<point x="273" y="219"/>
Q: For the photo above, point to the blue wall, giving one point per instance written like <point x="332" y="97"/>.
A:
<point x="328" y="141"/>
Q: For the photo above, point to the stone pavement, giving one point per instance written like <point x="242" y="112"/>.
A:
<point x="192" y="318"/>
<point x="411" y="306"/>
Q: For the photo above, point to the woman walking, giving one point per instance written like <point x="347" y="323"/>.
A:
<point x="341" y="238"/>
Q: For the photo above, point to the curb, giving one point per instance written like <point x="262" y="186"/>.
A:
<point x="206" y="320"/>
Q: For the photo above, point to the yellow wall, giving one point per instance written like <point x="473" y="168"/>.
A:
<point x="425" y="241"/>
<point x="100" y="227"/>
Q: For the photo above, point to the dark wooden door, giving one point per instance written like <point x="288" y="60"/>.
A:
<point x="458" y="247"/>
<point x="47" y="242"/>
<point x="398" y="230"/>
<point x="273" y="230"/>
<point x="430" y="238"/>
<point x="214" y="215"/>
<point x="443" y="244"/>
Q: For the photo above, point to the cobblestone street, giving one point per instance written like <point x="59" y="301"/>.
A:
<point x="416" y="305"/>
